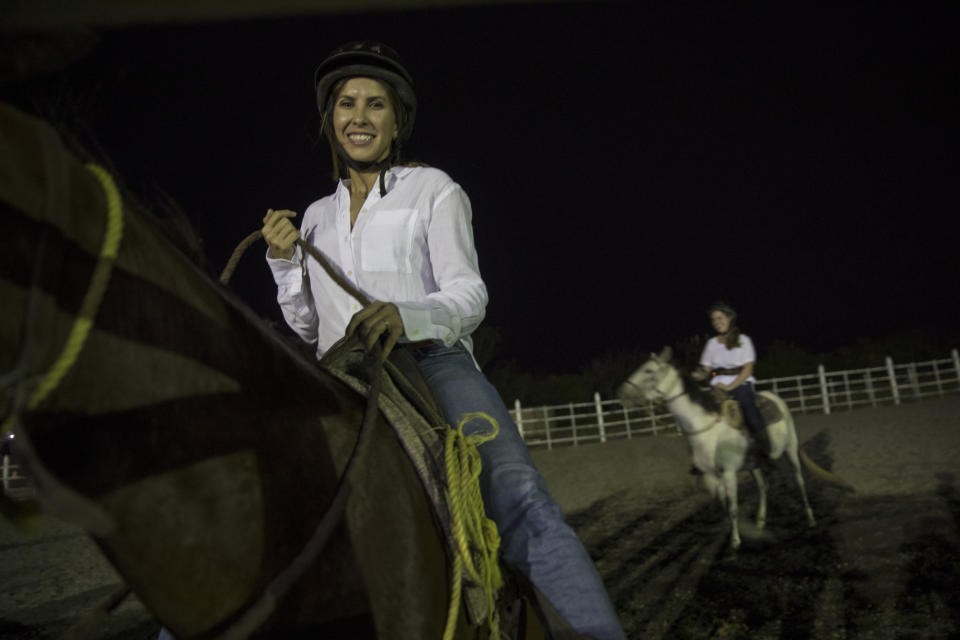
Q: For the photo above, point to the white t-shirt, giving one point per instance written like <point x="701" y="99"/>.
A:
<point x="716" y="356"/>
<point x="413" y="247"/>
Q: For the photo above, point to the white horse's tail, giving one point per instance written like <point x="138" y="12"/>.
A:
<point x="823" y="474"/>
<point x="815" y="469"/>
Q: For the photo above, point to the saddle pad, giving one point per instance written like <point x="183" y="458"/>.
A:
<point x="422" y="441"/>
<point x="769" y="411"/>
<point x="410" y="415"/>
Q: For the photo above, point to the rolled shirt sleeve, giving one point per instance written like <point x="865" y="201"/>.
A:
<point x="294" y="295"/>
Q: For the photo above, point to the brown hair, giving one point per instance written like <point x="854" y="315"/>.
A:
<point x="732" y="338"/>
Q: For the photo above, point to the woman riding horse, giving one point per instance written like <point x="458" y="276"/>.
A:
<point x="401" y="233"/>
<point x="728" y="360"/>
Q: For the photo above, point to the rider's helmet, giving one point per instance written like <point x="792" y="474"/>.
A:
<point x="722" y="307"/>
<point x="370" y="60"/>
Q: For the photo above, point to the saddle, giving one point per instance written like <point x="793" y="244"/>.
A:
<point x="730" y="409"/>
<point x="409" y="407"/>
<point x="413" y="412"/>
<point x="402" y="368"/>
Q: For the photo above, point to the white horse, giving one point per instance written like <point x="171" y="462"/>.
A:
<point x="718" y="449"/>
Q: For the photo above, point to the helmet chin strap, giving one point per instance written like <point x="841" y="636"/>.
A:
<point x="365" y="167"/>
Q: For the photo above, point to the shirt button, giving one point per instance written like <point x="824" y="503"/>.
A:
<point x="346" y="238"/>
<point x="349" y="273"/>
<point x="355" y="307"/>
<point x="415" y="332"/>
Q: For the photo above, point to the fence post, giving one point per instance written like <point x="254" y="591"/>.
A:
<point x="626" y="420"/>
<point x="873" y="396"/>
<point x="519" y="416"/>
<point x="653" y="416"/>
<point x="6" y="472"/>
<point x="599" y="406"/>
<point x="914" y="380"/>
<point x="823" y="389"/>
<point x="893" y="381"/>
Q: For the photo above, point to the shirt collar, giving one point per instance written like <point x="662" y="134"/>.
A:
<point x="394" y="175"/>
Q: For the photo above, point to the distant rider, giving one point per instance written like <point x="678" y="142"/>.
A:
<point x="727" y="360"/>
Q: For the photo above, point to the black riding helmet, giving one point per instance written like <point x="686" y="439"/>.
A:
<point x="369" y="60"/>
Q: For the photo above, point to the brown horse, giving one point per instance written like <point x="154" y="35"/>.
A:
<point x="202" y="453"/>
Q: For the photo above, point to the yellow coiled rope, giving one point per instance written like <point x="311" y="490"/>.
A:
<point x="476" y="535"/>
<point x="91" y="300"/>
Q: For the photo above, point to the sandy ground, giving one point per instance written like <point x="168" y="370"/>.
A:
<point x="883" y="562"/>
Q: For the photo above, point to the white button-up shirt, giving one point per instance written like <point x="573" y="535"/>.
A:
<point x="413" y="247"/>
<point x="716" y="355"/>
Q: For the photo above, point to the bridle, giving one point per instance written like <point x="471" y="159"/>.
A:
<point x="665" y="383"/>
<point x="662" y="387"/>
<point x="656" y="389"/>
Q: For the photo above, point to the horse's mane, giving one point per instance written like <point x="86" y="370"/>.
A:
<point x="697" y="394"/>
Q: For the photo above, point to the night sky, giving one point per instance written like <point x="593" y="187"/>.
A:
<point x="626" y="166"/>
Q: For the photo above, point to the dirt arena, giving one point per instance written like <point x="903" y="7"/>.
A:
<point x="883" y="562"/>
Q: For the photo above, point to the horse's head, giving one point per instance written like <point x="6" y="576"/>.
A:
<point x="656" y="380"/>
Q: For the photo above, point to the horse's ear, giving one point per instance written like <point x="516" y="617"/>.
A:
<point x="666" y="354"/>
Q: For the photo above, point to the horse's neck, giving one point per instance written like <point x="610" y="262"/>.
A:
<point x="691" y="416"/>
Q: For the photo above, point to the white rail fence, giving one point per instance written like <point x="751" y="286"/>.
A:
<point x="601" y="420"/>
<point x="822" y="392"/>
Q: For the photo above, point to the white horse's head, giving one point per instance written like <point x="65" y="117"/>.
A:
<point x="656" y="380"/>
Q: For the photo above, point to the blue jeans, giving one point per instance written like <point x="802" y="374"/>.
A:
<point x="534" y="538"/>
<point x="746" y="398"/>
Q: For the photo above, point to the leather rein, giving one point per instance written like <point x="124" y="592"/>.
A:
<point x="682" y="393"/>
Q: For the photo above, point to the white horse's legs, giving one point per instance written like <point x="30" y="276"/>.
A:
<point x="762" y="507"/>
<point x="730" y="489"/>
<point x="798" y="475"/>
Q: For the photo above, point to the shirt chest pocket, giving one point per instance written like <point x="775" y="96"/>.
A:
<point x="386" y="243"/>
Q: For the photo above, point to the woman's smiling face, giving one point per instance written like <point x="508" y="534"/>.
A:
<point x="364" y="120"/>
<point x="720" y="321"/>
